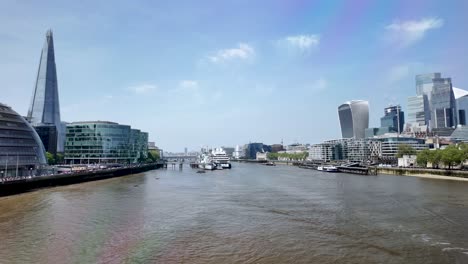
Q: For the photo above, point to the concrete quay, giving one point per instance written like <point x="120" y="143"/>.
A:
<point x="28" y="184"/>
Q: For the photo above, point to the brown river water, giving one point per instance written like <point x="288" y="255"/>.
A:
<point x="250" y="214"/>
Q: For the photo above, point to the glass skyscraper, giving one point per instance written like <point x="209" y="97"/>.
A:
<point x="417" y="109"/>
<point x="393" y="118"/>
<point x="439" y="101"/>
<point x="45" y="109"/>
<point x="104" y="142"/>
<point x="354" y="118"/>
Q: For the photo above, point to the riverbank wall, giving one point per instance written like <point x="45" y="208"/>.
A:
<point x="25" y="185"/>
<point x="427" y="173"/>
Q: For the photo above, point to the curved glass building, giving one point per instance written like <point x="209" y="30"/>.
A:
<point x="94" y="142"/>
<point x="21" y="149"/>
<point x="354" y="118"/>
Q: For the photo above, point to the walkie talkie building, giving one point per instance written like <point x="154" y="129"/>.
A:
<point x="354" y="118"/>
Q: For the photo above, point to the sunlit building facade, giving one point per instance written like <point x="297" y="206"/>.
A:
<point x="354" y="118"/>
<point x="440" y="105"/>
<point x="461" y="98"/>
<point x="21" y="149"/>
<point x="44" y="110"/>
<point x="104" y="142"/>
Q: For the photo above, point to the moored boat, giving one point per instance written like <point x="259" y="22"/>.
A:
<point x="220" y="158"/>
<point x="330" y="169"/>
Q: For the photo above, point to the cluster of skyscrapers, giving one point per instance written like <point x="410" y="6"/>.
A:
<point x="24" y="141"/>
<point x="436" y="116"/>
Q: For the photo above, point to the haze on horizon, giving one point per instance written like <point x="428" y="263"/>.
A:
<point x="227" y="73"/>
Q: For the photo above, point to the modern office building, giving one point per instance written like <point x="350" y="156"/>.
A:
<point x="389" y="146"/>
<point x="461" y="99"/>
<point x="327" y="151"/>
<point x="424" y="83"/>
<point x="352" y="150"/>
<point x="392" y="122"/>
<point x="418" y="110"/>
<point x="21" y="149"/>
<point x="45" y="108"/>
<point x="104" y="142"/>
<point x="251" y="150"/>
<point x="394" y="119"/>
<point x="48" y="135"/>
<point x="440" y="99"/>
<point x="354" y="118"/>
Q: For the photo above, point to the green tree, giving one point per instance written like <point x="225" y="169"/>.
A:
<point x="153" y="156"/>
<point x="59" y="158"/>
<point x="50" y="158"/>
<point x="464" y="150"/>
<point x="435" y="157"/>
<point x="405" y="149"/>
<point x="272" y="156"/>
<point x="423" y="157"/>
<point x="451" y="156"/>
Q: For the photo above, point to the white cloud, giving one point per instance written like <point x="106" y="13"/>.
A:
<point x="142" y="89"/>
<point x="188" y="90"/>
<point x="242" y="52"/>
<point x="318" y="85"/>
<point x="406" y="33"/>
<point x="304" y="43"/>
<point x="188" y="84"/>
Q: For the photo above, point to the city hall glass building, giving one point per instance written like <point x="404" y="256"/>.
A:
<point x="21" y="148"/>
<point x="104" y="142"/>
<point x="354" y="118"/>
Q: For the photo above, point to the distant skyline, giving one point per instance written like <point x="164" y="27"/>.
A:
<point x="225" y="73"/>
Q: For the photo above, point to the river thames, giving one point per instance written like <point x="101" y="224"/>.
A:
<point x="250" y="214"/>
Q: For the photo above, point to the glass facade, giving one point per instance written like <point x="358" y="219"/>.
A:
<point x="48" y="135"/>
<point x="251" y="150"/>
<point x="461" y="99"/>
<point x="20" y="146"/>
<point x="389" y="146"/>
<point x="354" y="118"/>
<point x="104" y="142"/>
<point x="393" y="118"/>
<point x="439" y="100"/>
<point x="417" y="108"/>
<point x="443" y="105"/>
<point x="45" y="108"/>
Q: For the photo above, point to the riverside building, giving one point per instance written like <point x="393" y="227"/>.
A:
<point x="21" y="149"/>
<point x="104" y="142"/>
<point x="354" y="150"/>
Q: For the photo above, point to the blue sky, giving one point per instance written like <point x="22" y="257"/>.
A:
<point x="195" y="73"/>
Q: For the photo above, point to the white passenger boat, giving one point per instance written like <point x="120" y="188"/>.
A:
<point x="206" y="162"/>
<point x="220" y="158"/>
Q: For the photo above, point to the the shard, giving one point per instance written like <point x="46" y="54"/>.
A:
<point x="45" y="109"/>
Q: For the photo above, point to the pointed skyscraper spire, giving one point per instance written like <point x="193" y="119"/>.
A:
<point x="45" y="107"/>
